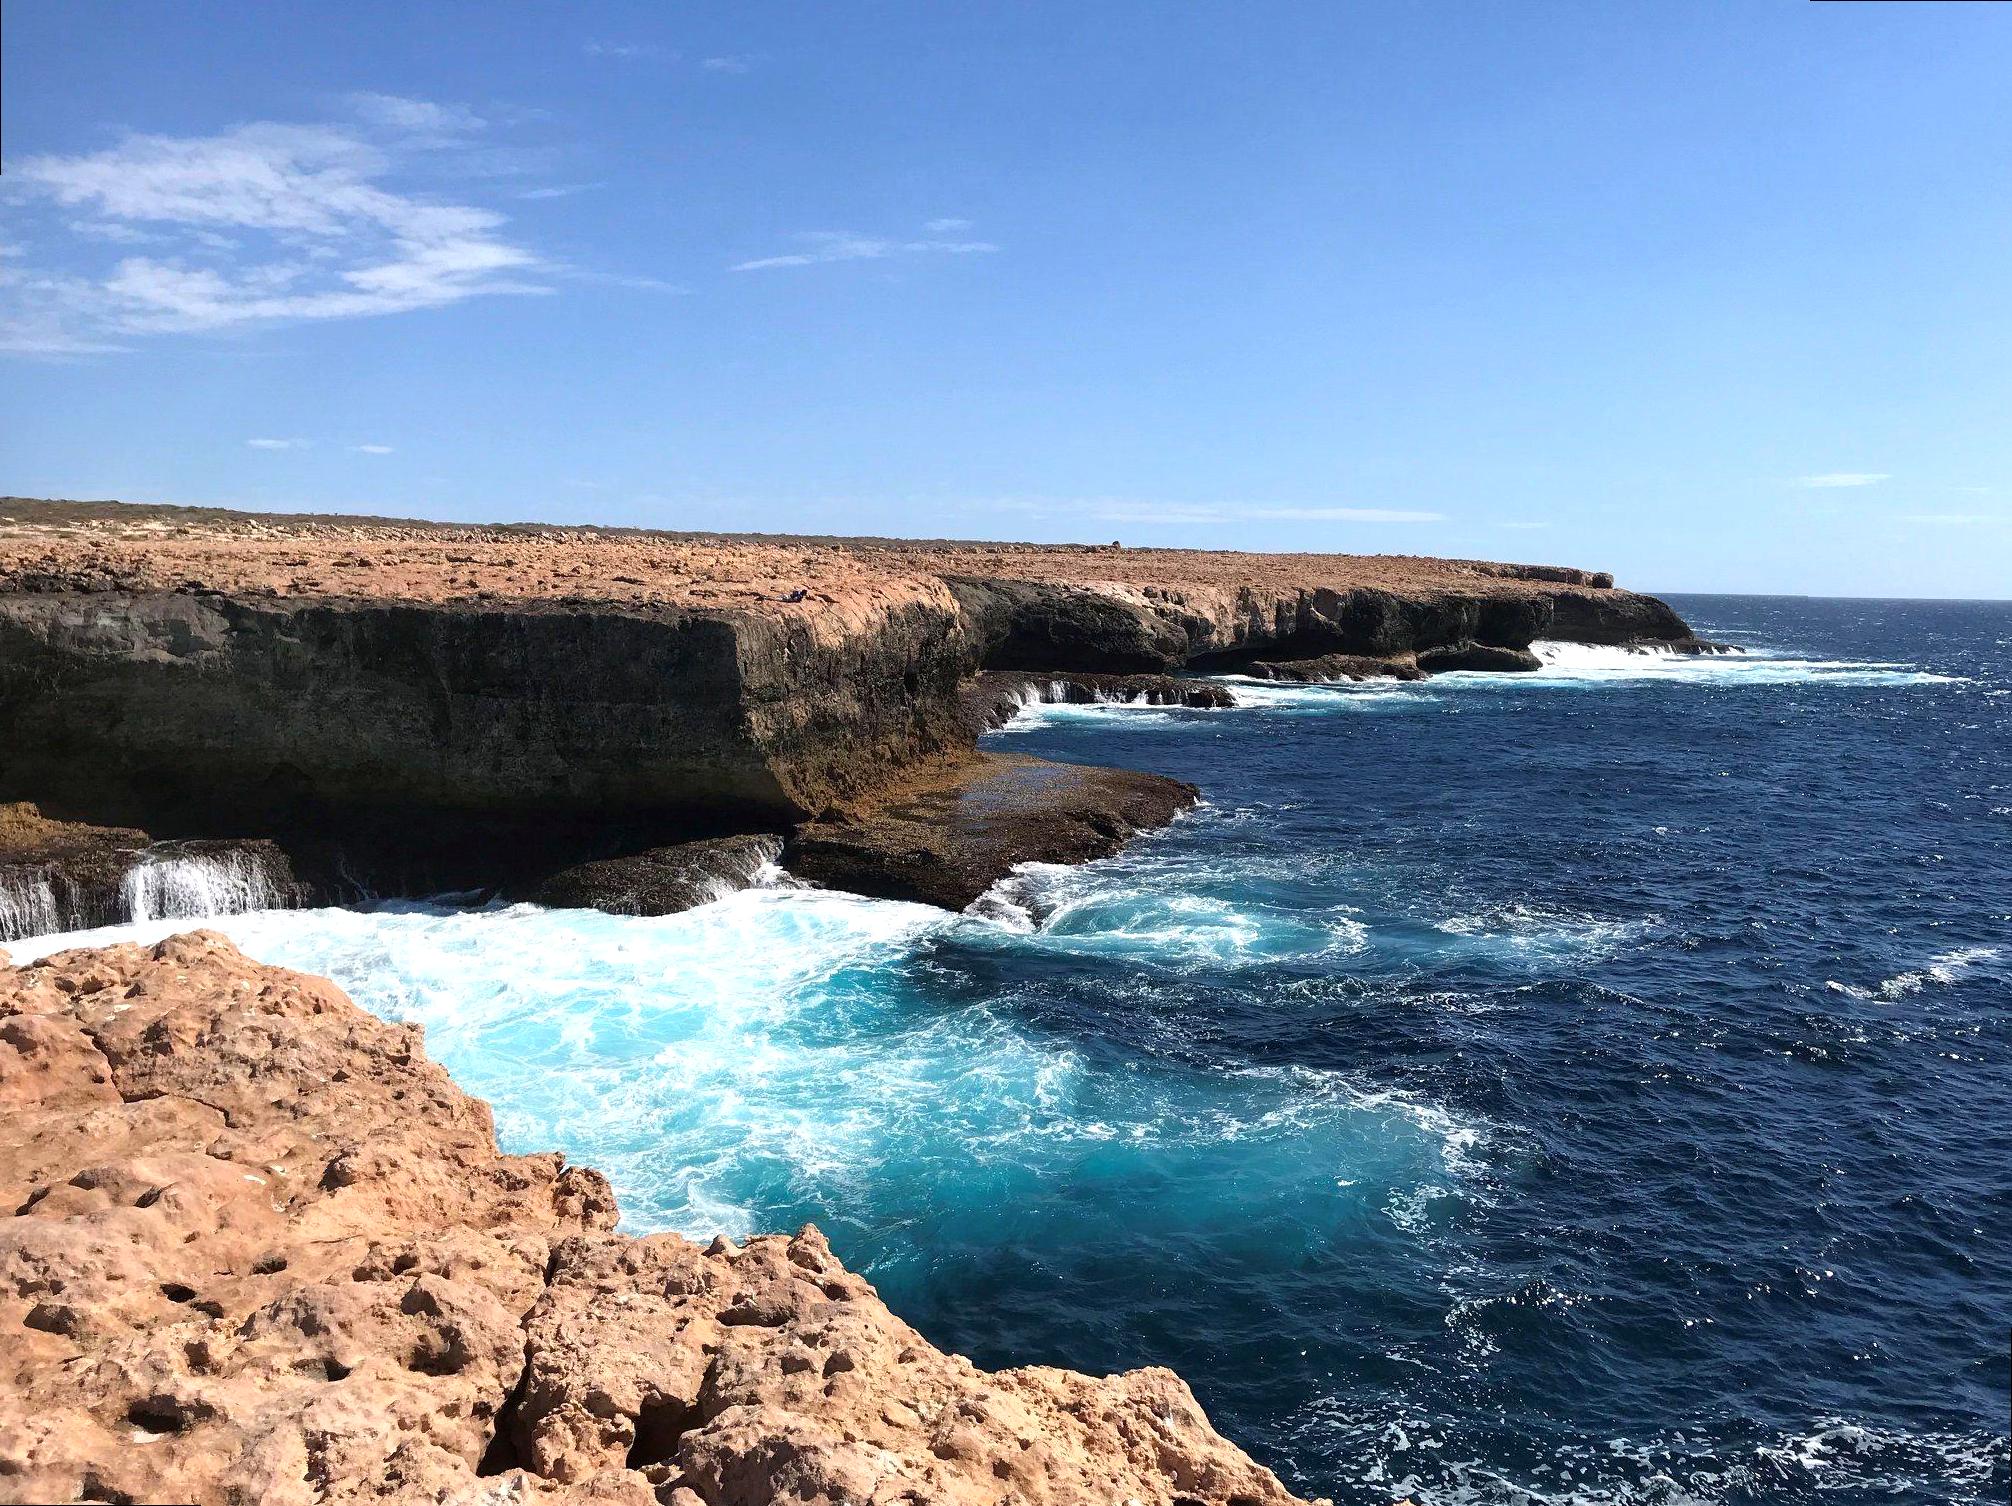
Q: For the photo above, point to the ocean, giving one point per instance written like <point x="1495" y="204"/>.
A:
<point x="1592" y="1086"/>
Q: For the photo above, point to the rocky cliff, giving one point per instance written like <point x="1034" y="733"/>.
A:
<point x="262" y="1251"/>
<point x="435" y="704"/>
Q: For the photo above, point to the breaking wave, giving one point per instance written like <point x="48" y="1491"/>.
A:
<point x="27" y="905"/>
<point x="1582" y="662"/>
<point x="1948" y="967"/>
<point x="199" y="885"/>
<point x="769" y="1057"/>
<point x="163" y="884"/>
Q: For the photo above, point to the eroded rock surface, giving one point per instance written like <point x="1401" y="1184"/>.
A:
<point x="262" y="1250"/>
<point x="203" y="664"/>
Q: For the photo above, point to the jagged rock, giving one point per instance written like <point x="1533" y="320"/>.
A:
<point x="264" y="1251"/>
<point x="947" y="838"/>
<point x="663" y="880"/>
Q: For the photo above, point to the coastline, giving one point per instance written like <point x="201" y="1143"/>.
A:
<point x="347" y="707"/>
<point x="471" y="1322"/>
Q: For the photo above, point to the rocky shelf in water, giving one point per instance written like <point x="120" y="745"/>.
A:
<point x="263" y="1250"/>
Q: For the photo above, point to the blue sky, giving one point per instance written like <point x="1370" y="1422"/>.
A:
<point x="1717" y="296"/>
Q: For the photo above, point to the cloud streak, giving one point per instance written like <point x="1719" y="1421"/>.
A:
<point x="267" y="223"/>
<point x="822" y="246"/>
<point x="1833" y="479"/>
<point x="627" y="51"/>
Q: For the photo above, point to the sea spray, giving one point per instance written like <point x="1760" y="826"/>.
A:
<point x="197" y="885"/>
<point x="27" y="904"/>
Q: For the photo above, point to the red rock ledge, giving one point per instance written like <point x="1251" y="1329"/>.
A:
<point x="263" y="1250"/>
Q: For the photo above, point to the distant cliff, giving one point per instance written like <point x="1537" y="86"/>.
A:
<point x="473" y="698"/>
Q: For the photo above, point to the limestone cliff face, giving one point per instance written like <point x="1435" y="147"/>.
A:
<point x="1042" y="625"/>
<point x="261" y="1252"/>
<point x="144" y="702"/>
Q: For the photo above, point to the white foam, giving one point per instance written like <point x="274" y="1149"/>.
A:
<point x="1159" y="910"/>
<point x="1596" y="664"/>
<point x="1948" y="967"/>
<point x="198" y="886"/>
<point x="769" y="1056"/>
<point x="1294" y="698"/>
<point x="1549" y="931"/>
<point x="27" y="905"/>
<point x="1405" y="1453"/>
<point x="1116" y="716"/>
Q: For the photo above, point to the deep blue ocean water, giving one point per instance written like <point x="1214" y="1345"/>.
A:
<point x="1593" y="1086"/>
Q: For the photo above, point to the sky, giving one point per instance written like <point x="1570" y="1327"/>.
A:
<point x="1716" y="296"/>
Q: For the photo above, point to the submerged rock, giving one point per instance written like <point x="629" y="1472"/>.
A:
<point x="264" y="1250"/>
<point x="663" y="880"/>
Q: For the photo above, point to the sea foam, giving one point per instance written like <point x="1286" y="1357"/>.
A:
<point x="774" y="1056"/>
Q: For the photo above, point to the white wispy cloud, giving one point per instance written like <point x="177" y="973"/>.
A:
<point x="1831" y="479"/>
<point x="946" y="226"/>
<point x="372" y="449"/>
<point x="277" y="444"/>
<point x="415" y="117"/>
<point x="266" y="223"/>
<point x="640" y="282"/>
<point x="624" y="50"/>
<point x="726" y="64"/>
<point x="558" y="190"/>
<point x="844" y="245"/>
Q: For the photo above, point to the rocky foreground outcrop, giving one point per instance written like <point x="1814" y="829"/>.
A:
<point x="261" y="1250"/>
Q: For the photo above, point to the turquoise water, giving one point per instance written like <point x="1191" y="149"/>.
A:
<point x="1593" y="1086"/>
